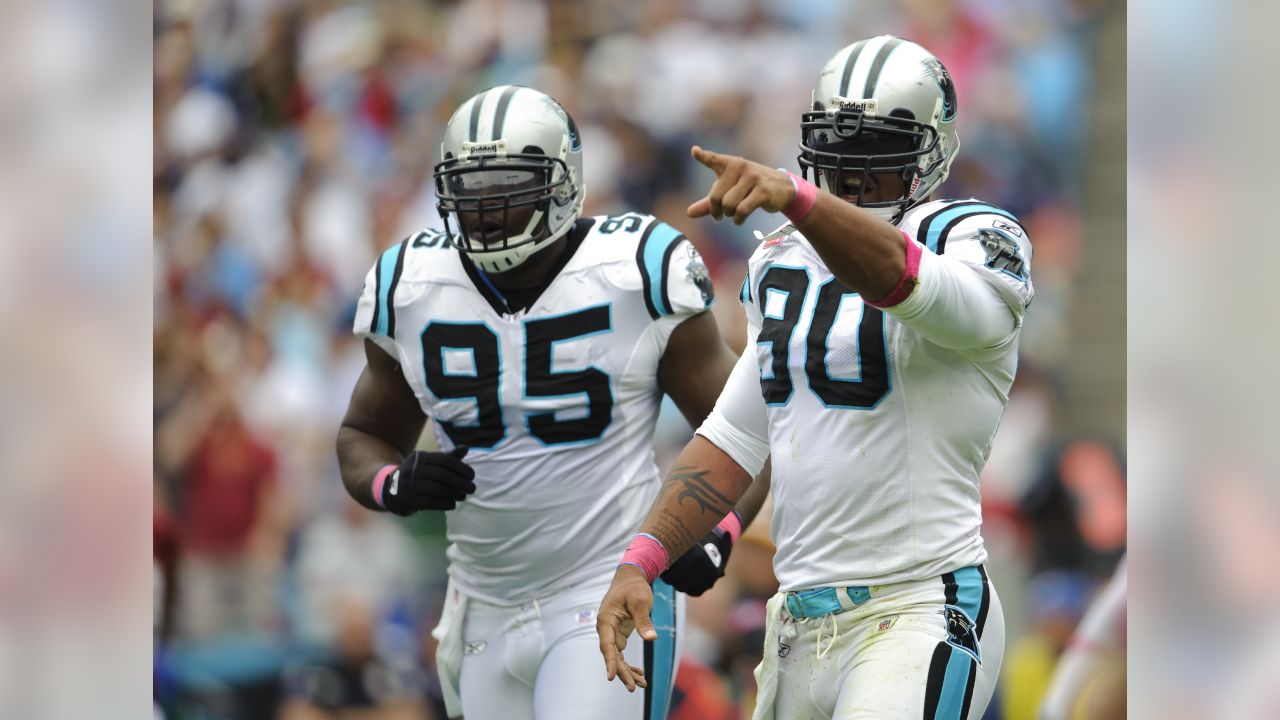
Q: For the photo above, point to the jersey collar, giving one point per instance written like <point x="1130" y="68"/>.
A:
<point x="513" y="302"/>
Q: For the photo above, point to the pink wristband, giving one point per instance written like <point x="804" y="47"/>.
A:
<point x="379" y="480"/>
<point x="806" y="197"/>
<point x="907" y="283"/>
<point x="731" y="524"/>
<point x="646" y="553"/>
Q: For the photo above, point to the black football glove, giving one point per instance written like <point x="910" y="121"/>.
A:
<point x="429" y="481"/>
<point x="697" y="570"/>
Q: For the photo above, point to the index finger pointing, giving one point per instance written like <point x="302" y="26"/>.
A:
<point x="710" y="159"/>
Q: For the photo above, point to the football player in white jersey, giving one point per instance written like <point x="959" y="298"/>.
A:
<point x="540" y="343"/>
<point x="883" y="342"/>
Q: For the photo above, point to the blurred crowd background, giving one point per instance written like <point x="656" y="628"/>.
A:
<point x="294" y="139"/>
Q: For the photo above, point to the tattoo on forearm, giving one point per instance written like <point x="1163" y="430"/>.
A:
<point x="687" y="484"/>
<point x="672" y="533"/>
<point x="693" y="485"/>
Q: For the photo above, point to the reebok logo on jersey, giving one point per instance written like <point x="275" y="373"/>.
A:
<point x="474" y="647"/>
<point x="1007" y="227"/>
<point x="776" y="237"/>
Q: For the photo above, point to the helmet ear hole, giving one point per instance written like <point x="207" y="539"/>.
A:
<point x="532" y="150"/>
<point x="903" y="113"/>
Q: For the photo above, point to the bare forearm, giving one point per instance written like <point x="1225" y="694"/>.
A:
<point x="865" y="253"/>
<point x="753" y="499"/>
<point x="699" y="491"/>
<point x="360" y="456"/>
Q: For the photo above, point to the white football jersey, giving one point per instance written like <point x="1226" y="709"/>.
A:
<point x="557" y="403"/>
<point x="878" y="434"/>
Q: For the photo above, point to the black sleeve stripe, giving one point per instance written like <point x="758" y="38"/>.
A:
<point x="391" y="292"/>
<point x="946" y="229"/>
<point x="666" y="265"/>
<point x="955" y="213"/>
<point x="644" y="275"/>
<point x="923" y="232"/>
<point x="377" y="295"/>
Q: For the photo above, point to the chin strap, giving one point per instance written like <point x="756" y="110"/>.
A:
<point x="523" y="252"/>
<point x="888" y="214"/>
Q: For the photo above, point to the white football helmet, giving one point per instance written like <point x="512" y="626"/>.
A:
<point x="509" y="148"/>
<point x="881" y="105"/>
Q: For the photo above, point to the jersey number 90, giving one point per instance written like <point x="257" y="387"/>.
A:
<point x="862" y="394"/>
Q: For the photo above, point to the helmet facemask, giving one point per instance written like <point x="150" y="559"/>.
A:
<point x="501" y="202"/>
<point x="849" y="150"/>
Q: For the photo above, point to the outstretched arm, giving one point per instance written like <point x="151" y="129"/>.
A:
<point x="865" y="253"/>
<point x="947" y="301"/>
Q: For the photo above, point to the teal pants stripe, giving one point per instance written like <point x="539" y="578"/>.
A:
<point x="662" y="669"/>
<point x="952" y="672"/>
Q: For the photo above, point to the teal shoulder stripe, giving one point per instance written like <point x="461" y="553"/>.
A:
<point x="660" y="240"/>
<point x="745" y="294"/>
<point x="937" y="225"/>
<point x="664" y="649"/>
<point x="386" y="275"/>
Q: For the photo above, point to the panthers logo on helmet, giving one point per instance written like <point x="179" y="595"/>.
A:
<point x="575" y="142"/>
<point x="939" y="73"/>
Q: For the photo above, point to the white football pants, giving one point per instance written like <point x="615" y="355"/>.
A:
<point x="923" y="649"/>
<point x="541" y="660"/>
